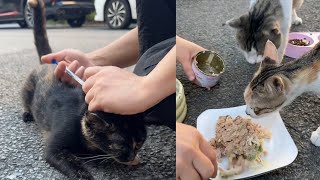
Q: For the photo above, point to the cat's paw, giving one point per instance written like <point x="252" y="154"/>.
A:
<point x="254" y="59"/>
<point x="27" y="117"/>
<point x="315" y="137"/>
<point x="296" y="20"/>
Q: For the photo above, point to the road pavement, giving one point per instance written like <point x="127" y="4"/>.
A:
<point x="201" y="22"/>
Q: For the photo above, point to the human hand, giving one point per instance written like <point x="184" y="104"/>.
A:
<point x="186" y="50"/>
<point x="114" y="90"/>
<point x="76" y="61"/>
<point x="195" y="158"/>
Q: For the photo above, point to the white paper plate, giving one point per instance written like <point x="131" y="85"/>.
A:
<point x="281" y="149"/>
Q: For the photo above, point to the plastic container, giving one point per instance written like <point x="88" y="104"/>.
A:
<point x="281" y="149"/>
<point x="295" y="51"/>
<point x="208" y="67"/>
<point x="181" y="105"/>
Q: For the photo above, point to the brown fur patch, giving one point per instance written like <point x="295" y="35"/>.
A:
<point x="248" y="94"/>
<point x="45" y="135"/>
<point x="48" y="78"/>
<point x="86" y="135"/>
<point x="310" y="74"/>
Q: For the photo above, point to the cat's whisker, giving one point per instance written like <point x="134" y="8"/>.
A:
<point x="93" y="160"/>
<point x="94" y="156"/>
<point x="105" y="160"/>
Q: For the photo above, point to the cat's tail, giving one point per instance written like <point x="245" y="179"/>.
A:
<point x="39" y="28"/>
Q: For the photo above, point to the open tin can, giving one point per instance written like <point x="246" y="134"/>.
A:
<point x="207" y="66"/>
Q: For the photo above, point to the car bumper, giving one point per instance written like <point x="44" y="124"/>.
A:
<point x="99" y="5"/>
<point x="69" y="10"/>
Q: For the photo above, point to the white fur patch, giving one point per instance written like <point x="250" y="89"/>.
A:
<point x="252" y="3"/>
<point x="252" y="57"/>
<point x="250" y="112"/>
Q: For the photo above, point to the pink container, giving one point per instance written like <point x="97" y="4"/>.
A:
<point x="207" y="59"/>
<point x="295" y="51"/>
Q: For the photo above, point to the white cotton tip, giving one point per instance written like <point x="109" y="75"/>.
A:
<point x="315" y="137"/>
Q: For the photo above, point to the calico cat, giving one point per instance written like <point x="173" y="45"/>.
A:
<point x="276" y="85"/>
<point x="266" y="19"/>
<point x="69" y="130"/>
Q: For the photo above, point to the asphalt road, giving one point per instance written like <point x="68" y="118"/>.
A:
<point x="201" y="22"/>
<point x="21" y="145"/>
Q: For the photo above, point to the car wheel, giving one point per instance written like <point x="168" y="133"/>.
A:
<point x="117" y="14"/>
<point x="76" y="22"/>
<point x="28" y="16"/>
<point x="22" y="24"/>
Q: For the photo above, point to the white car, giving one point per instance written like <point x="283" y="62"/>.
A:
<point x="118" y="14"/>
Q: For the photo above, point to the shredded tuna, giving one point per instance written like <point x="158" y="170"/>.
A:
<point x="241" y="140"/>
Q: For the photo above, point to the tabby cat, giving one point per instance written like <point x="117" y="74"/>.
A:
<point x="69" y="130"/>
<point x="276" y="85"/>
<point x="266" y="19"/>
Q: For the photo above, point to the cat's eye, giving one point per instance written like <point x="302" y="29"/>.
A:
<point x="257" y="110"/>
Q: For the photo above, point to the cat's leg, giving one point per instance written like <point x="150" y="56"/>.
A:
<point x="64" y="161"/>
<point x="27" y="96"/>
<point x="296" y="20"/>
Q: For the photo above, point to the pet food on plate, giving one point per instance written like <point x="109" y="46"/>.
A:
<point x="299" y="42"/>
<point x="241" y="141"/>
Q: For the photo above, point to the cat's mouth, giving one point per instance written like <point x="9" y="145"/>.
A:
<point x="133" y="162"/>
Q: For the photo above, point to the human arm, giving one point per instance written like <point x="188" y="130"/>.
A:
<point x="122" y="52"/>
<point x="195" y="158"/>
<point x="115" y="90"/>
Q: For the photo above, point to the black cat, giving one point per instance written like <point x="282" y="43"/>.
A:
<point x="59" y="109"/>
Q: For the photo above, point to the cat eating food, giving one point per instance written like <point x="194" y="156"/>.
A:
<point x="69" y="129"/>
<point x="276" y="85"/>
<point x="266" y="19"/>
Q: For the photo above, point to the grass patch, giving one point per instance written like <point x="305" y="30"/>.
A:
<point x="90" y="17"/>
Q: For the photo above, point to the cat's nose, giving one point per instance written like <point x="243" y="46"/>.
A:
<point x="247" y="113"/>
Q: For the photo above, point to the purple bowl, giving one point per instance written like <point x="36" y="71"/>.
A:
<point x="295" y="51"/>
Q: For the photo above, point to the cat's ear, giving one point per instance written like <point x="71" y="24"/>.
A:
<point x="270" y="54"/>
<point x="238" y="23"/>
<point x="94" y="121"/>
<point x="275" y="84"/>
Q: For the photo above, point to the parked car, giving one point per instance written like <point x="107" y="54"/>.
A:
<point x="117" y="14"/>
<point x="18" y="11"/>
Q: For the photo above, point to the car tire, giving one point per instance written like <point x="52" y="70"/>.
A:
<point x="28" y="16"/>
<point x="117" y="14"/>
<point x="22" y="24"/>
<point x="74" y="23"/>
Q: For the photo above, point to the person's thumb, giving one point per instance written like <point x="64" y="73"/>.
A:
<point x="188" y="71"/>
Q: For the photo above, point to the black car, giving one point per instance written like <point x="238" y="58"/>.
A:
<point x="18" y="11"/>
